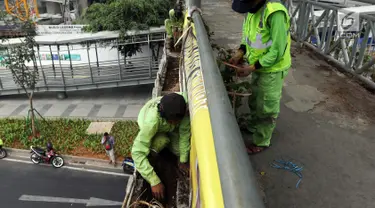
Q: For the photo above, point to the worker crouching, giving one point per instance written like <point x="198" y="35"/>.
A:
<point x="163" y="123"/>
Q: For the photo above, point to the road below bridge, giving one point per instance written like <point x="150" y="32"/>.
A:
<point x="28" y="185"/>
<point x="113" y="103"/>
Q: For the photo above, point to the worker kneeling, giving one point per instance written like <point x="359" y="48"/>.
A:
<point x="163" y="122"/>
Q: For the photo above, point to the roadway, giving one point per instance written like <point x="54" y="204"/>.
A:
<point x="23" y="184"/>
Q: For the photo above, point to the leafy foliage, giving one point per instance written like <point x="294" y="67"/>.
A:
<point x="125" y="16"/>
<point x="68" y="136"/>
<point x="236" y="89"/>
<point x="21" y="61"/>
<point x="125" y="132"/>
<point x="19" y="56"/>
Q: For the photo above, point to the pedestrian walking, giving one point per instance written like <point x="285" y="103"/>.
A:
<point x="109" y="142"/>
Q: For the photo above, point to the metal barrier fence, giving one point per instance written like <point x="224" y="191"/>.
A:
<point x="315" y="25"/>
<point x="60" y="73"/>
<point x="222" y="175"/>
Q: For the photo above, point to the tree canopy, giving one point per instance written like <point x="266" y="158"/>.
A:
<point x="124" y="16"/>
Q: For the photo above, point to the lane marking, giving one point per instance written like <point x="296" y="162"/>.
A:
<point x="26" y="157"/>
<point x="16" y="160"/>
<point x="73" y="168"/>
<point x="96" y="171"/>
<point x="92" y="202"/>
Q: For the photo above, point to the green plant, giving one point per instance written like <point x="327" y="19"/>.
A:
<point x="68" y="136"/>
<point x="125" y="133"/>
<point x="24" y="75"/>
<point x="236" y="88"/>
<point x="125" y="16"/>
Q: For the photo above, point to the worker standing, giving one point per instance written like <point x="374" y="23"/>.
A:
<point x="174" y="24"/>
<point x="265" y="46"/>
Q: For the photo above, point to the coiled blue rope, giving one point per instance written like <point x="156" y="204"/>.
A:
<point x="289" y="166"/>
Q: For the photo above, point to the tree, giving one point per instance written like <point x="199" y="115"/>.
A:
<point x="21" y="61"/>
<point x="125" y="16"/>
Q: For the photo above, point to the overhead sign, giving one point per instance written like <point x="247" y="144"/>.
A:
<point x="59" y="29"/>
<point x="55" y="57"/>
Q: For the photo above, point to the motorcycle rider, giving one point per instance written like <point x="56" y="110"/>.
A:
<point x="3" y="152"/>
<point x="50" y="151"/>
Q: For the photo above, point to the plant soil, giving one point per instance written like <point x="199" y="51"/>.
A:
<point x="172" y="83"/>
<point x="165" y="166"/>
<point x="81" y="151"/>
<point x="68" y="136"/>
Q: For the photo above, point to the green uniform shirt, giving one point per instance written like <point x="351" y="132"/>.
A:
<point x="272" y="52"/>
<point x="278" y="26"/>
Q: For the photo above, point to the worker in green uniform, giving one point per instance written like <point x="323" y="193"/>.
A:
<point x="174" y="24"/>
<point x="266" y="47"/>
<point x="163" y="122"/>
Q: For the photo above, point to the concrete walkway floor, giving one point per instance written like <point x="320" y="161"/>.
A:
<point x="327" y="124"/>
<point x="114" y="103"/>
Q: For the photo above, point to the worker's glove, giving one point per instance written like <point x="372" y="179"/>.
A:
<point x="237" y="58"/>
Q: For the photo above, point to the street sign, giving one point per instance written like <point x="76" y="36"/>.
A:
<point x="59" y="29"/>
<point x="92" y="202"/>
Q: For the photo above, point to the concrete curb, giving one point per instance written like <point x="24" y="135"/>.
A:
<point x="69" y="159"/>
<point x="129" y="190"/>
<point x="77" y="118"/>
<point x="160" y="76"/>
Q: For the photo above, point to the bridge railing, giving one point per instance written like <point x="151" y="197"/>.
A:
<point x="89" y="63"/>
<point x="317" y="25"/>
<point x="222" y="175"/>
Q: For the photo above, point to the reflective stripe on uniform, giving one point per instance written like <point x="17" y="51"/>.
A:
<point x="258" y="44"/>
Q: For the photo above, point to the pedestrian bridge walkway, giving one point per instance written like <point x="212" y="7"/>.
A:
<point x="90" y="61"/>
<point x="320" y="111"/>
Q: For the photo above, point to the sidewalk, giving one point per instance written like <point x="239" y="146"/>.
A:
<point x="107" y="104"/>
<point x="327" y="124"/>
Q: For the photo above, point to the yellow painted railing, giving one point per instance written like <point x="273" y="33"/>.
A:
<point x="205" y="174"/>
<point x="221" y="173"/>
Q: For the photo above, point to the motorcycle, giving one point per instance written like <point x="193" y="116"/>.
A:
<point x="38" y="155"/>
<point x="128" y="165"/>
<point x="3" y="152"/>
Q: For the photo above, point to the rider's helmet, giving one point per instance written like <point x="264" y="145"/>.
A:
<point x="49" y="146"/>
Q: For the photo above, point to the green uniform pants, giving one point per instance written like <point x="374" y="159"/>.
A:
<point x="264" y="105"/>
<point x="163" y="140"/>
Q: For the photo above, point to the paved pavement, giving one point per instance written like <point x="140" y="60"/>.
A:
<point x="327" y="124"/>
<point x="115" y="103"/>
<point x="36" y="182"/>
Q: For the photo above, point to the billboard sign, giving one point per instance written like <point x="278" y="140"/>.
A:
<point x="59" y="29"/>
